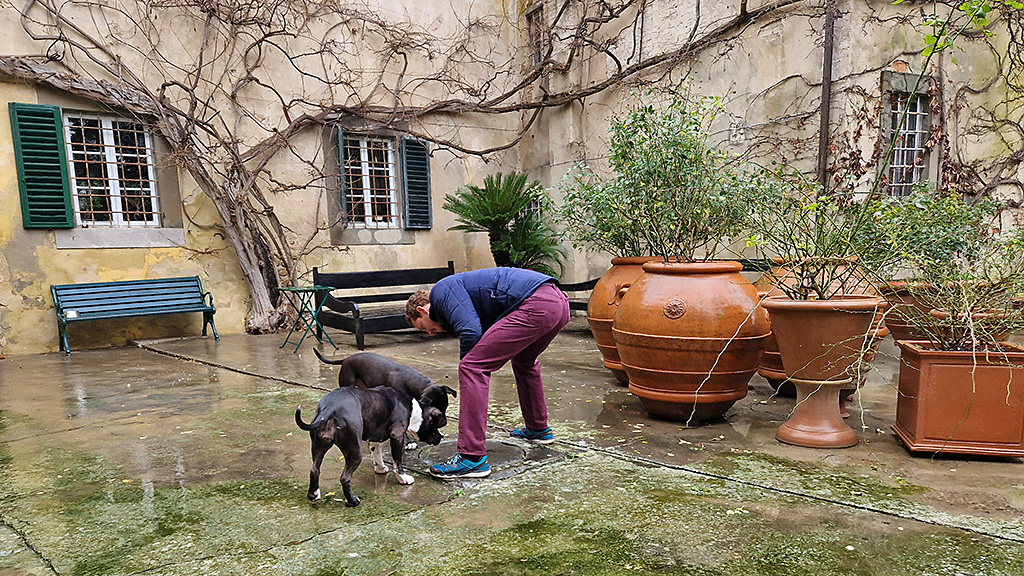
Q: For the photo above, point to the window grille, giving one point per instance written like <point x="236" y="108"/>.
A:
<point x="113" y="182"/>
<point x="536" y="35"/>
<point x="370" y="182"/>
<point x="907" y="162"/>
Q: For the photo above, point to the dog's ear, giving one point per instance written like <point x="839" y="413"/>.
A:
<point x="449" y="390"/>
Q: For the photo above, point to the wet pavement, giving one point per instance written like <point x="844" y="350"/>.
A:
<point x="181" y="457"/>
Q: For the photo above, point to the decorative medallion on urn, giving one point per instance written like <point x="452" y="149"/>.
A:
<point x="675" y="308"/>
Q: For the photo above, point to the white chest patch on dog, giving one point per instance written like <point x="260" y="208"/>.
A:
<point x="416" y="418"/>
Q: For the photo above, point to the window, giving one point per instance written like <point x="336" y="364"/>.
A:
<point x="385" y="183"/>
<point x="907" y="127"/>
<point x="113" y="182"/>
<point x="908" y="119"/>
<point x="93" y="178"/>
<point x="371" y="187"/>
<point x="536" y="35"/>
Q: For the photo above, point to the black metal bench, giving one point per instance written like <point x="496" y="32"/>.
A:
<point x="386" y="310"/>
<point x="128" y="299"/>
<point x="578" y="293"/>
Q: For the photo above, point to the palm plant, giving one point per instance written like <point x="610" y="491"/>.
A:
<point x="510" y="209"/>
<point x="533" y="243"/>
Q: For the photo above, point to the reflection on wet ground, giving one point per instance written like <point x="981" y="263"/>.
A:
<point x="182" y="457"/>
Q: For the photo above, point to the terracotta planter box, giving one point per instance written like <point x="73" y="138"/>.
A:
<point x="961" y="402"/>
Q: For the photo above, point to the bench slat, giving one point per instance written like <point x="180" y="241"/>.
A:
<point x="381" y="278"/>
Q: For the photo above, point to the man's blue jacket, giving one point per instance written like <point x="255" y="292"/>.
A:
<point x="469" y="303"/>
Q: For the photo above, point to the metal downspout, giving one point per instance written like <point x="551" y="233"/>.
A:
<point x="826" y="92"/>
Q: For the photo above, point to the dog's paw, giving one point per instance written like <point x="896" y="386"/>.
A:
<point x="380" y="468"/>
<point x="411" y="446"/>
<point x="405" y="478"/>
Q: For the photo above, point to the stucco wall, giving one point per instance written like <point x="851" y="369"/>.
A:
<point x="768" y="71"/>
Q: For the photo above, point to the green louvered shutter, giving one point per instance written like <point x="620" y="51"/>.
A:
<point x="342" y="177"/>
<point x="42" y="166"/>
<point x="416" y="176"/>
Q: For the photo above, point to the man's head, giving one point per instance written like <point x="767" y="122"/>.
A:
<point x="417" y="313"/>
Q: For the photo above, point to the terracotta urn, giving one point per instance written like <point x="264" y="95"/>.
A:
<point x="690" y="336"/>
<point x="861" y="369"/>
<point x="604" y="301"/>
<point x="962" y="402"/>
<point x="820" y="342"/>
<point x="904" y="306"/>
<point x="771" y="368"/>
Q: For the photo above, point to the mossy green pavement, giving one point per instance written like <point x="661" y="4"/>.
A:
<point x="182" y="457"/>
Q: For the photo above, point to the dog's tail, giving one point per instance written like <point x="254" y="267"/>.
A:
<point x="325" y="360"/>
<point x="318" y="419"/>
<point x="298" y="418"/>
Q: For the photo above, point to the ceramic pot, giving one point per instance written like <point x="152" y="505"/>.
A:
<point x="962" y="402"/>
<point x="690" y="336"/>
<point x="820" y="342"/>
<point x="604" y="301"/>
<point x="861" y="369"/>
<point x="771" y="368"/>
<point x="904" y="305"/>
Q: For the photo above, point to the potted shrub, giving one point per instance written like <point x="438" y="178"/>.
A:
<point x="961" y="384"/>
<point x="821" y="306"/>
<point x="923" y="229"/>
<point x="591" y="213"/>
<point x="688" y="332"/>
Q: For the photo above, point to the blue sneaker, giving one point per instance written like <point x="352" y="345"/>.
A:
<point x="459" y="466"/>
<point x="536" y="436"/>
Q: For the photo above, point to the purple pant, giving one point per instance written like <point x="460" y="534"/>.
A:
<point x="520" y="337"/>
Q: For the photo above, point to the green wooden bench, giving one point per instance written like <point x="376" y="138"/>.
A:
<point x="128" y="299"/>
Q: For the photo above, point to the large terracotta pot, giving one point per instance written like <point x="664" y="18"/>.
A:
<point x="961" y="402"/>
<point x="820" y="342"/>
<point x="604" y="301"/>
<point x="690" y="337"/>
<point x="905" y="305"/>
<point x="771" y="368"/>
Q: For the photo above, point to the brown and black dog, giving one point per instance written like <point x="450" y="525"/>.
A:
<point x="346" y="417"/>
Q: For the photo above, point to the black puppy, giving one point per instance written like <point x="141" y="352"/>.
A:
<point x="347" y="416"/>
<point x="369" y="370"/>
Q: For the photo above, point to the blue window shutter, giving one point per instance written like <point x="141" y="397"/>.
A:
<point x="416" y="176"/>
<point x="39" y="152"/>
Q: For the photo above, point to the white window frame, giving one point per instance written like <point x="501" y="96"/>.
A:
<point x="908" y="161"/>
<point x="112" y="174"/>
<point x="368" y="220"/>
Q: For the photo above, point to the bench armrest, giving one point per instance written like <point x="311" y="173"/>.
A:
<point x="341" y="306"/>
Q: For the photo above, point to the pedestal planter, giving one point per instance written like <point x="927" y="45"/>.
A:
<point x="604" y="301"/>
<point x="690" y="337"/>
<point x="820" y="341"/>
<point x="771" y="368"/>
<point x="860" y="371"/>
<point x="961" y="402"/>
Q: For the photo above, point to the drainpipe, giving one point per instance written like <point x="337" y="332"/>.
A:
<point x="826" y="92"/>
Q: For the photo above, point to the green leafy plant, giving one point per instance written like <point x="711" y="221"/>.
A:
<point x="671" y="193"/>
<point x="512" y="211"/>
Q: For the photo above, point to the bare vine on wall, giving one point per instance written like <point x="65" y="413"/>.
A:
<point x="233" y="85"/>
